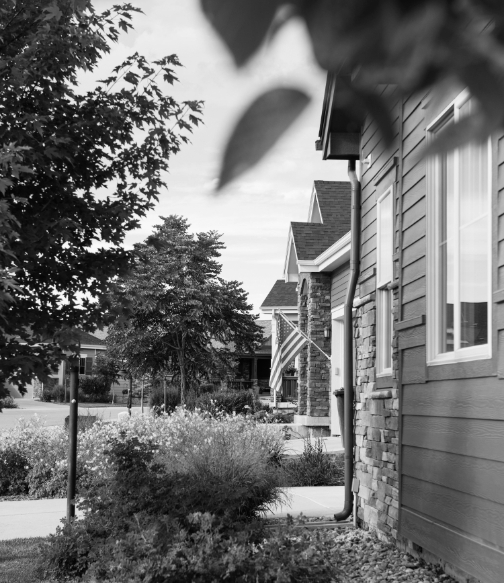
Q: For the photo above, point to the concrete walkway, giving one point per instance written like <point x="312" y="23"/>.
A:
<point x="332" y="445"/>
<point x="34" y="518"/>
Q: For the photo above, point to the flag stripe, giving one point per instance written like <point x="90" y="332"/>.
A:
<point x="285" y="352"/>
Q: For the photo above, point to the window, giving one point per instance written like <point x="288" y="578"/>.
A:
<point x="459" y="246"/>
<point x="82" y="366"/>
<point x="385" y="249"/>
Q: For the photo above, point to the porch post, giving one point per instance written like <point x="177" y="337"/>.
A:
<point x="255" y="384"/>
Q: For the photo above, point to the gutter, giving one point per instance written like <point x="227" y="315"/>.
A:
<point x="348" y="340"/>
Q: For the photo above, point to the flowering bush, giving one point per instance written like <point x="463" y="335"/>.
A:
<point x="33" y="459"/>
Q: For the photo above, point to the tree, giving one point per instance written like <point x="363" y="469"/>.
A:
<point x="184" y="316"/>
<point x="78" y="170"/>
<point x="414" y="45"/>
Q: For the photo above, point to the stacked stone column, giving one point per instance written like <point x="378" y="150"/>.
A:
<point x="376" y="431"/>
<point x="314" y="306"/>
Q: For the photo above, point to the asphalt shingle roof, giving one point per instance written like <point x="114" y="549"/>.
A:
<point x="334" y="203"/>
<point x="312" y="239"/>
<point x="89" y="339"/>
<point x="281" y="294"/>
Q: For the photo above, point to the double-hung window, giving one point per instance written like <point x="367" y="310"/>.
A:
<point x="385" y="249"/>
<point x="459" y="246"/>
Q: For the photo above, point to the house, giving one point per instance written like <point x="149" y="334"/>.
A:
<point x="253" y="370"/>
<point x="428" y="328"/>
<point x="90" y="346"/>
<point x="316" y="271"/>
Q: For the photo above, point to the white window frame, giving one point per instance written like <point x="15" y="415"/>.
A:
<point x="471" y="353"/>
<point x="382" y="283"/>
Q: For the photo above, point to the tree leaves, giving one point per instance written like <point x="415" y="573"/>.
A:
<point x="241" y="24"/>
<point x="61" y="239"/>
<point x="259" y="128"/>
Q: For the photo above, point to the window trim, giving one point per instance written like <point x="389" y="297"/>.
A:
<point x="382" y="287"/>
<point x="472" y="353"/>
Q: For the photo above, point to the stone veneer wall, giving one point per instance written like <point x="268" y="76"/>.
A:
<point x="319" y="368"/>
<point x="303" y="355"/>
<point x="376" y="429"/>
<point x="314" y="307"/>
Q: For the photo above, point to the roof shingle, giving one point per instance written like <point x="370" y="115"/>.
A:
<point x="282" y="294"/>
<point x="334" y="203"/>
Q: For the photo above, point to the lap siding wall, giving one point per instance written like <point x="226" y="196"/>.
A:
<point x="452" y="416"/>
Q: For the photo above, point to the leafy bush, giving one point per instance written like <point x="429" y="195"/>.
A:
<point x="13" y="472"/>
<point x="54" y="393"/>
<point x="33" y="459"/>
<point x="239" y="402"/>
<point x="314" y="467"/>
<point x="8" y="403"/>
<point x="156" y="399"/>
<point x="170" y="467"/>
<point x="94" y="390"/>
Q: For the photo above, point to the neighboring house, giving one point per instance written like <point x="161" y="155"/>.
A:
<point x="428" y="334"/>
<point x="253" y="370"/>
<point x="91" y="346"/>
<point x="283" y="296"/>
<point x="316" y="275"/>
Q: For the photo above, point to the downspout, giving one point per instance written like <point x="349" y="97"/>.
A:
<point x="355" y="224"/>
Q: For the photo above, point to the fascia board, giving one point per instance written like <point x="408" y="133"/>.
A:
<point x="330" y="259"/>
<point x="307" y="266"/>
<point x="94" y="346"/>
<point x="290" y="245"/>
<point x="286" y="309"/>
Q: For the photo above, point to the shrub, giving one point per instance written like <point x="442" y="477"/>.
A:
<point x="239" y="402"/>
<point x="156" y="399"/>
<point x="198" y="549"/>
<point x="144" y="468"/>
<point x="13" y="472"/>
<point x="94" y="390"/>
<point x="8" y="403"/>
<point x="314" y="467"/>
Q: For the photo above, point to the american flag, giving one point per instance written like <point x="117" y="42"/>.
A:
<point x="290" y="342"/>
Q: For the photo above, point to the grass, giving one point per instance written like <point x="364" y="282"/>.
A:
<point x="19" y="560"/>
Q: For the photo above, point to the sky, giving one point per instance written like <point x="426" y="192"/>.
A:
<point x="253" y="213"/>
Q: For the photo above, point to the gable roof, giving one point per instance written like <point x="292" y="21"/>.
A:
<point x="312" y="239"/>
<point x="334" y="203"/>
<point x="88" y="339"/>
<point x="281" y="294"/>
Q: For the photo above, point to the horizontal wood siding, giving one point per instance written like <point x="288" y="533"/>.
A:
<point x="452" y="416"/>
<point x="477" y="559"/>
<point x="339" y="285"/>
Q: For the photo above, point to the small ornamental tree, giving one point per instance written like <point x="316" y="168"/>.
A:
<point x="184" y="315"/>
<point x="78" y="170"/>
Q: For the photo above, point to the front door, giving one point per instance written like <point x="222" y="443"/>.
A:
<point x="337" y="362"/>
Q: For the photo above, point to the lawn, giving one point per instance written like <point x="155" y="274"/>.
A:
<point x="18" y="560"/>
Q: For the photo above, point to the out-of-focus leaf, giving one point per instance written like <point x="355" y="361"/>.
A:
<point x="260" y="127"/>
<point x="487" y="87"/>
<point x="474" y="127"/>
<point x="242" y="24"/>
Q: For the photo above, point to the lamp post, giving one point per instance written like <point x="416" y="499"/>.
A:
<point x="72" y="431"/>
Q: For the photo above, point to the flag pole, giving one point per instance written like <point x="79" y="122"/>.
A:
<point x="298" y="329"/>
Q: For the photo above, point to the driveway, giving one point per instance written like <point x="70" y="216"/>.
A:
<point x="55" y="413"/>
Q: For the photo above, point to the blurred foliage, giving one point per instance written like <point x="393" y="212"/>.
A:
<point x="414" y="45"/>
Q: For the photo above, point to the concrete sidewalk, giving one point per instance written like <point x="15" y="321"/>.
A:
<point x="332" y="446"/>
<point x="31" y="518"/>
<point x="34" y="518"/>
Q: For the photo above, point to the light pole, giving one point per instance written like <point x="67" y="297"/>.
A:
<point x="72" y="430"/>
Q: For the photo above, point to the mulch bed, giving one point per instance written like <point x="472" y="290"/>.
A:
<point x="365" y="559"/>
